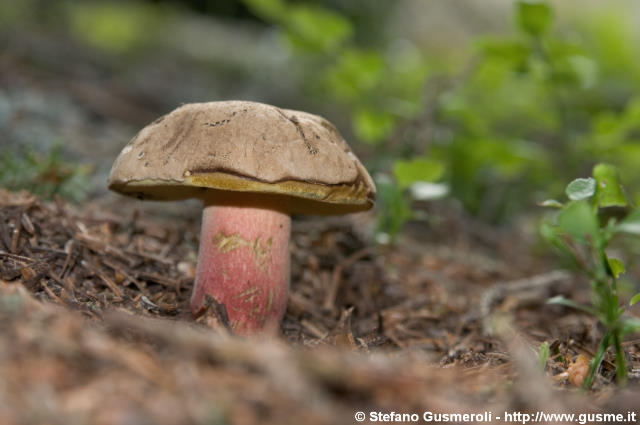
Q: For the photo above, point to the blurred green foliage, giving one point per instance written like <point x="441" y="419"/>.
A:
<point x="522" y="118"/>
<point x="378" y="88"/>
<point x="45" y="175"/>
<point x="534" y="17"/>
<point x="116" y="27"/>
<point x="528" y="111"/>
<point x="536" y="109"/>
<point x="407" y="173"/>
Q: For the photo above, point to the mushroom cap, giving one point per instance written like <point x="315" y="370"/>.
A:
<point x="237" y="152"/>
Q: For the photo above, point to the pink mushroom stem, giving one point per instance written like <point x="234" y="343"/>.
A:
<point x="244" y="264"/>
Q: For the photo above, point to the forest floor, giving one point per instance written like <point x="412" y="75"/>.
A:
<point x="94" y="325"/>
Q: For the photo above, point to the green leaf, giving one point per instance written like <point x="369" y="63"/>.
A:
<point x="274" y="10"/>
<point x="534" y="16"/>
<point x="584" y="69"/>
<point x="543" y="355"/>
<point x="407" y="173"/>
<point x="560" y="300"/>
<point x="551" y="235"/>
<point x="578" y="220"/>
<point x="597" y="360"/>
<point x="581" y="189"/>
<point x="372" y="126"/>
<point x="635" y="299"/>
<point x="515" y="52"/>
<point x="395" y="210"/>
<point x="316" y="28"/>
<point x="630" y="224"/>
<point x="307" y="27"/>
<point x="116" y="27"/>
<point x="355" y="74"/>
<point x="631" y="325"/>
<point x="552" y="203"/>
<point x="617" y="267"/>
<point x="608" y="192"/>
<point x="548" y="232"/>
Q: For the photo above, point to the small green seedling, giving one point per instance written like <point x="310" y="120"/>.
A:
<point x="413" y="180"/>
<point x="543" y="355"/>
<point x="584" y="228"/>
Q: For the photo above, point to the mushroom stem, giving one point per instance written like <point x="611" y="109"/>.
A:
<point x="244" y="264"/>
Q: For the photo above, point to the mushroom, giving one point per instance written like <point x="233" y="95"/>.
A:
<point x="253" y="165"/>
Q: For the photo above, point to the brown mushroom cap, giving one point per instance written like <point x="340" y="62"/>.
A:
<point x="223" y="150"/>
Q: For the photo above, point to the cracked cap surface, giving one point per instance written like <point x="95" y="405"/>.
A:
<point x="238" y="152"/>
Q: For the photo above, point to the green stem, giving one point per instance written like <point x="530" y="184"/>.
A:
<point x="597" y="360"/>
<point x="621" y="363"/>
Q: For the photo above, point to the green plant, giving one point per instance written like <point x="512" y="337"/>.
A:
<point x="583" y="230"/>
<point x="543" y="355"/>
<point x="537" y="107"/>
<point x="43" y="174"/>
<point x="413" y="180"/>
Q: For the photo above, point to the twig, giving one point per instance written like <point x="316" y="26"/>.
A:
<point x="218" y="310"/>
<point x="27" y="224"/>
<point x="314" y="330"/>
<point x="499" y="291"/>
<point x="50" y="292"/>
<point x="4" y="235"/>
<point x="16" y="257"/>
<point x="110" y="283"/>
<point x="336" y="276"/>
<point x="15" y="239"/>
